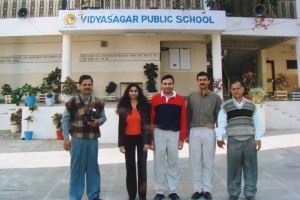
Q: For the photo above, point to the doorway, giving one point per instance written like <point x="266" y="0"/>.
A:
<point x="270" y="78"/>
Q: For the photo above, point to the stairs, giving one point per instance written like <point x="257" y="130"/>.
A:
<point x="282" y="115"/>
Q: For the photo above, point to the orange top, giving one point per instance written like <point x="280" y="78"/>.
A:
<point x="133" y="125"/>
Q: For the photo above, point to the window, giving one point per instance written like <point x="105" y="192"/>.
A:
<point x="291" y="64"/>
<point x="180" y="58"/>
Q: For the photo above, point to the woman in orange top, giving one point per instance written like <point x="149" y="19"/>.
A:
<point x="134" y="133"/>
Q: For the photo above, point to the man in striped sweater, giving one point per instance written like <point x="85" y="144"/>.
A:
<point x="239" y="119"/>
<point x="168" y="120"/>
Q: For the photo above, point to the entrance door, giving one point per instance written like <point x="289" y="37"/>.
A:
<point x="270" y="78"/>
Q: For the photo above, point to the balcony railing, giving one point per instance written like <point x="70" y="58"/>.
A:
<point x="235" y="8"/>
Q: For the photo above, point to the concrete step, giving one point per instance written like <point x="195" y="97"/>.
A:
<point x="6" y="134"/>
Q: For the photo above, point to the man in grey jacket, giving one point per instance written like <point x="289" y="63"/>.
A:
<point x="202" y="113"/>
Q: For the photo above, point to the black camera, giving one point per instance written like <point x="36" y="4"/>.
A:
<point x="89" y="117"/>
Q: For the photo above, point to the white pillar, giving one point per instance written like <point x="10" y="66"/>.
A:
<point x="298" y="41"/>
<point x="66" y="56"/>
<point x="217" y="59"/>
<point x="298" y="55"/>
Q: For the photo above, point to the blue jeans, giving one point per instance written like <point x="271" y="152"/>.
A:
<point x="241" y="157"/>
<point x="84" y="166"/>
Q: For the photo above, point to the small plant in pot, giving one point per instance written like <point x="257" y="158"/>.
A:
<point x="15" y="121"/>
<point x="6" y="92"/>
<point x="69" y="88"/>
<point x="16" y="96"/>
<point x="150" y="70"/>
<point x="30" y="92"/>
<point x="111" y="87"/>
<point x="56" y="118"/>
<point x="29" y="119"/>
<point x="53" y="84"/>
<point x="257" y="94"/>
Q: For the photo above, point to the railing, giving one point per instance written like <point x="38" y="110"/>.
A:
<point x="235" y="8"/>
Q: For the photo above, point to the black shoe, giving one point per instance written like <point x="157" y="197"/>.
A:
<point x="197" y="195"/>
<point x="159" y="197"/>
<point x="250" y="198"/>
<point x="174" y="196"/>
<point x="233" y="198"/>
<point x="207" y="195"/>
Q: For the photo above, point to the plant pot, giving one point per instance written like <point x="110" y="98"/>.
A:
<point x="59" y="135"/>
<point x="15" y="128"/>
<point x="30" y="100"/>
<point x="7" y="99"/>
<point x="50" y="101"/>
<point x="257" y="99"/>
<point x="28" y="135"/>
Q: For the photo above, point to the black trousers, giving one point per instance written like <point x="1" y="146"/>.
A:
<point x="133" y="142"/>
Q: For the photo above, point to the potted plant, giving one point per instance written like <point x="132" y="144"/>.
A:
<point x="15" y="121"/>
<point x="29" y="119"/>
<point x="69" y="88"/>
<point x="249" y="81"/>
<point x="111" y="87"/>
<point x="52" y="83"/>
<point x="150" y="71"/>
<point x="110" y="90"/>
<point x="213" y="4"/>
<point x="257" y="94"/>
<point x="30" y="92"/>
<point x="16" y="96"/>
<point x="281" y="81"/>
<point x="6" y="92"/>
<point x="56" y="118"/>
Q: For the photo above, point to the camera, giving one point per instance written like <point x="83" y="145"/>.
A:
<point x="89" y="117"/>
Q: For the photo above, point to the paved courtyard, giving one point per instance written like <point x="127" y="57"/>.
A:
<point x="39" y="169"/>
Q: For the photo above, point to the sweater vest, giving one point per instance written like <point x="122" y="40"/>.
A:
<point x="79" y="111"/>
<point x="239" y="121"/>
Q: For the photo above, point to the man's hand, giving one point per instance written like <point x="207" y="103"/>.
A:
<point x="94" y="123"/>
<point x="221" y="143"/>
<point x="122" y="149"/>
<point x="180" y="145"/>
<point x="67" y="145"/>
<point x="152" y="147"/>
<point x="258" y="144"/>
<point x="187" y="139"/>
<point x="146" y="147"/>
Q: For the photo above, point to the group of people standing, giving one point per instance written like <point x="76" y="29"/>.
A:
<point x="162" y="125"/>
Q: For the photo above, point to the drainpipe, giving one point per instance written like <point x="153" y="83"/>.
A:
<point x="217" y="60"/>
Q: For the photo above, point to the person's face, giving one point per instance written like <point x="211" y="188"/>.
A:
<point x="237" y="91"/>
<point x="203" y="82"/>
<point x="86" y="87"/>
<point x="133" y="92"/>
<point x="167" y="86"/>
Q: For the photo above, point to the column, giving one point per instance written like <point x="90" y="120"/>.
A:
<point x="298" y="55"/>
<point x="217" y="61"/>
<point x="298" y="41"/>
<point x="66" y="56"/>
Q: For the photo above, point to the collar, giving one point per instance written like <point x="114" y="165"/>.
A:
<point x="173" y="95"/>
<point x="85" y="100"/>
<point x="239" y="105"/>
<point x="207" y="92"/>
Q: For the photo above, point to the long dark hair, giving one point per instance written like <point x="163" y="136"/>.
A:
<point x="125" y="99"/>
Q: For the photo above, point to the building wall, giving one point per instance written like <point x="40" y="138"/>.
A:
<point x="280" y="54"/>
<point x="129" y="70"/>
